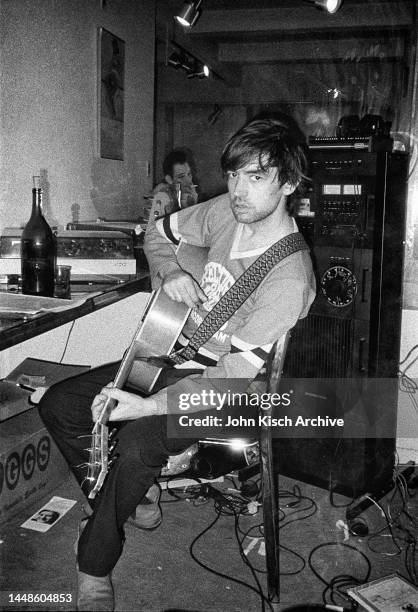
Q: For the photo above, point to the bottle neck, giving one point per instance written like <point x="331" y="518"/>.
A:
<point x="36" y="201"/>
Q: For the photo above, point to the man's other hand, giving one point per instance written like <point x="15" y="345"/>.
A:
<point x="128" y="406"/>
<point x="181" y="287"/>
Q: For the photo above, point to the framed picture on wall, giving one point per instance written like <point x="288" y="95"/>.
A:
<point x="111" y="93"/>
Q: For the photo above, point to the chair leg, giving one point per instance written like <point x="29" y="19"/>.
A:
<point x="271" y="532"/>
<point x="270" y="495"/>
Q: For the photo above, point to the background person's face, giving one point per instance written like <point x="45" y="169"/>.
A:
<point x="182" y="174"/>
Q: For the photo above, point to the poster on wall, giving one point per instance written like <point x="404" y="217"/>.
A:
<point x="111" y="94"/>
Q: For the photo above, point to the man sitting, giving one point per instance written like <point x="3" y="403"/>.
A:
<point x="177" y="190"/>
<point x="264" y="163"/>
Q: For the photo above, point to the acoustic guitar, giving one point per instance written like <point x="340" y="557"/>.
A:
<point x="156" y="335"/>
<point x="140" y="369"/>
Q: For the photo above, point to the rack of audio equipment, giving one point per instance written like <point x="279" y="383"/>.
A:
<point x="353" y="217"/>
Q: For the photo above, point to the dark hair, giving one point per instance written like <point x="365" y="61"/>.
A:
<point x="177" y="156"/>
<point x="275" y="141"/>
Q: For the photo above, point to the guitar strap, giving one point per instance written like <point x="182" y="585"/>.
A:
<point x="238" y="293"/>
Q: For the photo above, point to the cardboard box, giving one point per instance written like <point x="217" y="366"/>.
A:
<point x="13" y="400"/>
<point x="31" y="465"/>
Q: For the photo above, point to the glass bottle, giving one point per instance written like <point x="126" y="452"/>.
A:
<point x="37" y="250"/>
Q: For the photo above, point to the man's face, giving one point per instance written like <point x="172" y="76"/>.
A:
<point x="255" y="193"/>
<point x="182" y="174"/>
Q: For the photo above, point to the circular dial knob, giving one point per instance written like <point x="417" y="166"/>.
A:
<point x="339" y="286"/>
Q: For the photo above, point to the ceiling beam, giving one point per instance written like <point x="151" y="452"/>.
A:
<point x="368" y="15"/>
<point x="287" y="51"/>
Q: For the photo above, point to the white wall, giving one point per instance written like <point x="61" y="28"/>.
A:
<point x="48" y="108"/>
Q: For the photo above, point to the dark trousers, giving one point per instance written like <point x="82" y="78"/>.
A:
<point x="142" y="449"/>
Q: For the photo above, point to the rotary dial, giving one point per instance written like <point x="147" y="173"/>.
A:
<point x="339" y="286"/>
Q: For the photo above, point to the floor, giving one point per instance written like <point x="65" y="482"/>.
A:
<point x="157" y="573"/>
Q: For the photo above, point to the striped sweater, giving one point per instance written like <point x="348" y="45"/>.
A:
<point x="239" y="349"/>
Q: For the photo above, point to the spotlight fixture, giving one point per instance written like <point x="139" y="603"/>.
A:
<point x="181" y="60"/>
<point x="189" y="13"/>
<point x="330" y="6"/>
<point x="192" y="65"/>
<point x="199" y="70"/>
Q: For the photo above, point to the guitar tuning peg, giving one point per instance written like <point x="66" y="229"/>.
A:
<point x="112" y="461"/>
<point x="113" y="432"/>
<point x="113" y="446"/>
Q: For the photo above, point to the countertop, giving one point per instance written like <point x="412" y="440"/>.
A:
<point x="16" y="330"/>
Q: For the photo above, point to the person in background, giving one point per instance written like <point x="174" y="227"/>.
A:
<point x="177" y="190"/>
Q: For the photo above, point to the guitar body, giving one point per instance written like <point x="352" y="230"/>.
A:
<point x="157" y="334"/>
<point x="162" y="323"/>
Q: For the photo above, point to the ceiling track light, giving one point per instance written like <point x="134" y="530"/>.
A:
<point x="189" y="13"/>
<point x="200" y="71"/>
<point x="181" y="58"/>
<point x="330" y="6"/>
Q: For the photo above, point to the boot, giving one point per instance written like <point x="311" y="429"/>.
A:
<point x="95" y="593"/>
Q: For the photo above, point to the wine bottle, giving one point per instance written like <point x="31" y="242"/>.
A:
<point x="37" y="249"/>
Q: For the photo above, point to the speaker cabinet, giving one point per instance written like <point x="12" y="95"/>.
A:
<point x="353" y="218"/>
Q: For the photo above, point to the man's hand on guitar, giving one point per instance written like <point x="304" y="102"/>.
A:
<point x="128" y="405"/>
<point x="181" y="287"/>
